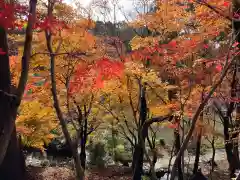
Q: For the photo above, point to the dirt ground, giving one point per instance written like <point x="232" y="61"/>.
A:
<point x="64" y="173"/>
<point x="112" y="173"/>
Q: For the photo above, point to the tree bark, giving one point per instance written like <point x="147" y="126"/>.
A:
<point x="197" y="154"/>
<point x="236" y="154"/>
<point x="229" y="147"/>
<point x="12" y="166"/>
<point x="199" y="138"/>
<point x="142" y="134"/>
<point x="177" y="147"/>
<point x="83" y="143"/>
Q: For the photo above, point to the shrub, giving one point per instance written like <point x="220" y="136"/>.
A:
<point x="97" y="154"/>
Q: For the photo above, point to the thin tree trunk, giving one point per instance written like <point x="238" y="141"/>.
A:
<point x="177" y="147"/>
<point x="142" y="134"/>
<point x="199" y="138"/>
<point x="229" y="147"/>
<point x="83" y="144"/>
<point x="197" y="154"/>
<point x="78" y="168"/>
<point x="134" y="159"/>
<point x="213" y="154"/>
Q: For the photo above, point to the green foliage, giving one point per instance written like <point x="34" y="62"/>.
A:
<point x="112" y="141"/>
<point x="121" y="155"/>
<point x="145" y="178"/>
<point x="97" y="153"/>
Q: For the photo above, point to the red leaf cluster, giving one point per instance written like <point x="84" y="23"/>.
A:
<point x="51" y="24"/>
<point x="92" y="77"/>
<point x="9" y="12"/>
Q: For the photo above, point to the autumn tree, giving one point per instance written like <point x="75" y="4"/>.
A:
<point x="10" y="154"/>
<point x="65" y="44"/>
<point x="166" y="45"/>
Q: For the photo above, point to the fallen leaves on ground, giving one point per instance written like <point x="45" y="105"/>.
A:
<point x="64" y="173"/>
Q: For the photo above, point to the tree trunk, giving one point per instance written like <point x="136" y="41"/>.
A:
<point x="152" y="170"/>
<point x="154" y="160"/>
<point x="177" y="147"/>
<point x="83" y="156"/>
<point x="229" y="147"/>
<point x="197" y="154"/>
<point x="236" y="154"/>
<point x="138" y="165"/>
<point x="213" y="155"/>
<point x="142" y="134"/>
<point x="135" y="155"/>
<point x="83" y="144"/>
<point x="80" y="174"/>
<point x="139" y="155"/>
<point x="12" y="167"/>
<point x="198" y="147"/>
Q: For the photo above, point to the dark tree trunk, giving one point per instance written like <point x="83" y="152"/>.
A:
<point x="139" y="154"/>
<point x="83" y="156"/>
<point x="236" y="154"/>
<point x="154" y="160"/>
<point x="198" y="146"/>
<point x="213" y="155"/>
<point x="197" y="154"/>
<point x="134" y="157"/>
<point x="229" y="147"/>
<point x="142" y="134"/>
<point x="172" y="96"/>
<point x="177" y="147"/>
<point x="83" y="144"/>
<point x="138" y="165"/>
<point x="12" y="167"/>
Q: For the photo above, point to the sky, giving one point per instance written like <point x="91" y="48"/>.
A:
<point x="125" y="6"/>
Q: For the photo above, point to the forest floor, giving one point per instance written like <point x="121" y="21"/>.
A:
<point x="65" y="173"/>
<point x="111" y="173"/>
